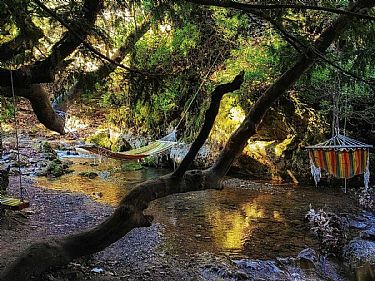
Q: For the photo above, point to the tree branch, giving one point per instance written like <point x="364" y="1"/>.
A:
<point x="87" y="45"/>
<point x="209" y="120"/>
<point x="239" y="138"/>
<point x="41" y="105"/>
<point x="28" y="34"/>
<point x="129" y="215"/>
<point x="250" y="7"/>
<point x="44" y="71"/>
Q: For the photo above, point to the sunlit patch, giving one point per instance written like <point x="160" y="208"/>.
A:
<point x="73" y="123"/>
<point x="231" y="227"/>
<point x="277" y="216"/>
<point x="280" y="147"/>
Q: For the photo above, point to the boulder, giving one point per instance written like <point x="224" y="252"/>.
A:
<point x="359" y="252"/>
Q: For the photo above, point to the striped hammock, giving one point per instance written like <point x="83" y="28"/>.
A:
<point x="341" y="164"/>
<point x="155" y="148"/>
<point x="13" y="203"/>
<point x="341" y="157"/>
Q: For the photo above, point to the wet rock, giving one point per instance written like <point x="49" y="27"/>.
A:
<point x="259" y="269"/>
<point x="123" y="145"/>
<point x="54" y="169"/>
<point x="358" y="252"/>
<point x="4" y="178"/>
<point x="46" y="147"/>
<point x="331" y="230"/>
<point x="357" y="224"/>
<point x="368" y="234"/>
<point x="90" y="175"/>
<point x="307" y="258"/>
<point x="366" y="198"/>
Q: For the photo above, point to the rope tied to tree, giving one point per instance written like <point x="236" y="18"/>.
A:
<point x="184" y="113"/>
<point x="17" y="137"/>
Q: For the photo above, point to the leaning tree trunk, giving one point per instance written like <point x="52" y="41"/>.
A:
<point x="26" y="80"/>
<point x="40" y="256"/>
<point x="129" y="215"/>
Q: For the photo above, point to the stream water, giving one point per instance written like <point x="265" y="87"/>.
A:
<point x="250" y="220"/>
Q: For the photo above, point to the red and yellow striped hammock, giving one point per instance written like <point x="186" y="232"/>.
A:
<point x="341" y="164"/>
<point x="341" y="157"/>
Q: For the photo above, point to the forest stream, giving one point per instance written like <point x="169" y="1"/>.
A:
<point x="247" y="220"/>
<point x="253" y="220"/>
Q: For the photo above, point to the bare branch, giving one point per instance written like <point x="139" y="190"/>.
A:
<point x="250" y="7"/>
<point x="209" y="120"/>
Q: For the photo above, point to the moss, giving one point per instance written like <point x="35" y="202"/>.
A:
<point x="46" y="147"/>
<point x="57" y="168"/>
<point x="101" y="139"/>
<point x="131" y="166"/>
<point x="90" y="175"/>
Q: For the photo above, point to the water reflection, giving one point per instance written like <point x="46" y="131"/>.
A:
<point x="254" y="223"/>
<point x="109" y="187"/>
<point x="244" y="222"/>
<point x="229" y="227"/>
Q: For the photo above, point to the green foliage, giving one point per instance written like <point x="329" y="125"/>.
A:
<point x="163" y="42"/>
<point x="101" y="139"/>
<point x="6" y="109"/>
<point x="229" y="22"/>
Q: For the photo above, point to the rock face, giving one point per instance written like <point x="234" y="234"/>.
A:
<point x="258" y="270"/>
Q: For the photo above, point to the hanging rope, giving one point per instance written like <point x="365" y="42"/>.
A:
<point x="16" y="133"/>
<point x="184" y="113"/>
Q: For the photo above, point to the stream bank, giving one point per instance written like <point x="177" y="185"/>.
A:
<point x="249" y="231"/>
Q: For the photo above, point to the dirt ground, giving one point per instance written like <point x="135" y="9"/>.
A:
<point x="134" y="257"/>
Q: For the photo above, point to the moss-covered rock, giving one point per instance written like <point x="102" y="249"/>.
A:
<point x="101" y="139"/>
<point x="104" y="139"/>
<point x="55" y="168"/>
<point x="131" y="166"/>
<point x="90" y="175"/>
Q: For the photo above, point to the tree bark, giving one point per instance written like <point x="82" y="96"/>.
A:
<point x="41" y="105"/>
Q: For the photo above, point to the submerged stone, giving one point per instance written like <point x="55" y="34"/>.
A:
<point x="368" y="234"/>
<point x="307" y="258"/>
<point x="260" y="269"/>
<point x="359" y="252"/>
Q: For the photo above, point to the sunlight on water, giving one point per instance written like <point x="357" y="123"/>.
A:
<point x="108" y="187"/>
<point x="266" y="222"/>
<point x="231" y="226"/>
